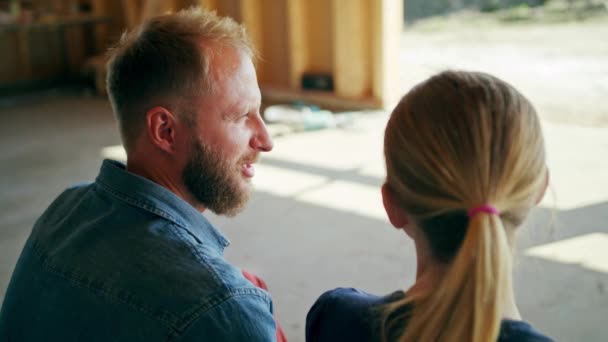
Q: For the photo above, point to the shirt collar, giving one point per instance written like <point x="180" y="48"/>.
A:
<point x="154" y="198"/>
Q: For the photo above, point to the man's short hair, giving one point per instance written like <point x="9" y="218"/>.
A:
<point x="165" y="62"/>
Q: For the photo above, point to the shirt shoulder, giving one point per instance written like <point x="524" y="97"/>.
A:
<point x="129" y="256"/>
<point x="520" y="331"/>
<point x="242" y="317"/>
<point x="347" y="314"/>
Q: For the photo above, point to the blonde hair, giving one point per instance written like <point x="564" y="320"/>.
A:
<point x="166" y="62"/>
<point x="454" y="142"/>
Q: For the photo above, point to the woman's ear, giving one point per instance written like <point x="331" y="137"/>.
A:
<point x="397" y="216"/>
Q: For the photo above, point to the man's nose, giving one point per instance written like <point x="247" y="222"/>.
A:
<point x="261" y="140"/>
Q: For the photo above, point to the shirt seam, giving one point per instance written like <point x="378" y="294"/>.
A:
<point x="76" y="278"/>
<point x="140" y="203"/>
<point x="147" y="206"/>
<point x="199" y="254"/>
<point x="213" y="302"/>
<point x="176" y="325"/>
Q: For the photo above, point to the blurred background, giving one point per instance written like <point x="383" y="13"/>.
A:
<point x="330" y="71"/>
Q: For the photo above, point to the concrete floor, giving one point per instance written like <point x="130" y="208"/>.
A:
<point x="316" y="221"/>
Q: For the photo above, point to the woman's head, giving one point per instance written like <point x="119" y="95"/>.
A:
<point x="457" y="141"/>
<point x="460" y="140"/>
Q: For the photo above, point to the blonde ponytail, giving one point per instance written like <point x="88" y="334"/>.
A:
<point x="458" y="140"/>
<point x="466" y="305"/>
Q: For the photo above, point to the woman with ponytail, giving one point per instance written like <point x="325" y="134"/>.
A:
<point x="465" y="163"/>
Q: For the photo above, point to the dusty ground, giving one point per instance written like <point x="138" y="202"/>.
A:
<point x="562" y="68"/>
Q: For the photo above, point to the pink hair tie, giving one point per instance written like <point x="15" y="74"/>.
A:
<point x="486" y="208"/>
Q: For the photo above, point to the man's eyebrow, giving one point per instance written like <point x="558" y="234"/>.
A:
<point x="232" y="111"/>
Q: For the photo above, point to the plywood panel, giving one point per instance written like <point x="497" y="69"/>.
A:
<point x="132" y="12"/>
<point x="10" y="61"/>
<point x="352" y="56"/>
<point x="74" y="48"/>
<point x="297" y="42"/>
<point x="45" y="58"/>
<point x="274" y="63"/>
<point x="318" y="27"/>
<point x="101" y="7"/>
<point x="230" y="8"/>
<point x="209" y="4"/>
<point x="387" y="29"/>
<point x="117" y="13"/>
<point x="251" y="17"/>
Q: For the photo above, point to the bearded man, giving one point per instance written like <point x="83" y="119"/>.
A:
<point x="130" y="257"/>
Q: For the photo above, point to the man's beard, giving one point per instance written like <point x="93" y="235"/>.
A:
<point x="213" y="182"/>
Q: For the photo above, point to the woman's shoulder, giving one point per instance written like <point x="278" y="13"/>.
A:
<point x="347" y="314"/>
<point x="512" y="330"/>
<point x="352" y="298"/>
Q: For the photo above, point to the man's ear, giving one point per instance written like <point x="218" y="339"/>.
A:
<point x="160" y="126"/>
<point x="544" y="190"/>
<point x="396" y="215"/>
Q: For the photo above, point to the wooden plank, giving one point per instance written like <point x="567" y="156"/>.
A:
<point x="132" y="12"/>
<point x="274" y="63"/>
<point x="230" y="8"/>
<point x="100" y="8"/>
<point x="11" y="63"/>
<point x="297" y="41"/>
<point x="209" y="4"/>
<point x="273" y="95"/>
<point x="387" y="23"/>
<point x="152" y="8"/>
<point x="73" y="42"/>
<point x="251" y="17"/>
<point x="352" y="57"/>
<point x="23" y="53"/>
<point x="318" y="25"/>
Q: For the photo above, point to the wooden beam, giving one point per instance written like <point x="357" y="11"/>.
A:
<point x="209" y="4"/>
<point x="352" y="59"/>
<point x="275" y="63"/>
<point x="297" y="42"/>
<point x="101" y="30"/>
<point x="132" y="13"/>
<point x="387" y="19"/>
<point x="251" y="17"/>
<point x="318" y="27"/>
<point x="230" y="8"/>
<point x="152" y="8"/>
<point x="274" y="95"/>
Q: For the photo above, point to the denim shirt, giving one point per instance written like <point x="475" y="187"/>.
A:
<point x="124" y="259"/>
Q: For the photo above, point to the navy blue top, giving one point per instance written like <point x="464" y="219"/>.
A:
<point x="124" y="259"/>
<point x="347" y="314"/>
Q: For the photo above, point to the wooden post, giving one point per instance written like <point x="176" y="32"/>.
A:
<point x="297" y="43"/>
<point x="388" y="27"/>
<point x="208" y="4"/>
<point x="352" y="42"/>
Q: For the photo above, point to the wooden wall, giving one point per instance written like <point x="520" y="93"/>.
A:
<point x="58" y="39"/>
<point x="354" y="41"/>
